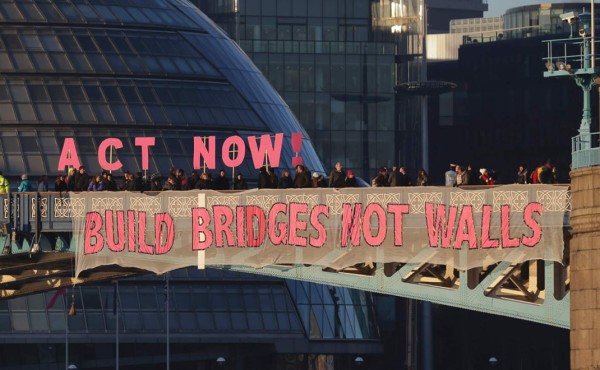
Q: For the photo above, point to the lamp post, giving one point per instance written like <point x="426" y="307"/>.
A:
<point x="580" y="66"/>
<point x="586" y="80"/>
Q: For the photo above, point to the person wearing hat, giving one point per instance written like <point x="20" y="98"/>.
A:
<point x="4" y="184"/>
<point x="318" y="181"/>
<point x="381" y="179"/>
<point x="25" y="184"/>
<point x="350" y="180"/>
<point x="485" y="178"/>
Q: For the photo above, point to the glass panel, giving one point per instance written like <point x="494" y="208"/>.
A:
<point x="132" y="321"/>
<point x="39" y="322"/>
<point x="20" y="321"/>
<point x="29" y="144"/>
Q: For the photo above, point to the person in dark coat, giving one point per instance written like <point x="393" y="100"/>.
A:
<point x="381" y="179"/>
<point x="350" y="180"/>
<point x="302" y="179"/>
<point x="170" y="184"/>
<point x="203" y="182"/>
<point x="337" y="176"/>
<point x="239" y="183"/>
<point x="403" y="178"/>
<point x="285" y="182"/>
<point x="60" y="184"/>
<point x="547" y="176"/>
<point x="82" y="180"/>
<point x="221" y="182"/>
<point x="264" y="180"/>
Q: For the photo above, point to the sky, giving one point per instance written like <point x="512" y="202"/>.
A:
<point x="498" y="7"/>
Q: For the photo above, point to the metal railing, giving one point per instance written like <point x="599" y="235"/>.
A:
<point x="585" y="150"/>
<point x="567" y="55"/>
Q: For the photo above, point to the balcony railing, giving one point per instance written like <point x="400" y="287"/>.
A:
<point x="585" y="150"/>
<point x="567" y="57"/>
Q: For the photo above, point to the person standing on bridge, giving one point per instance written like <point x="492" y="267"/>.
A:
<point x="43" y="184"/>
<point x="337" y="176"/>
<point x="451" y="175"/>
<point x="25" y="184"/>
<point x="60" y="185"/>
<point x="4" y="184"/>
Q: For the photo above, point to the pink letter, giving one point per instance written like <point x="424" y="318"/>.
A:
<point x="507" y="241"/>
<point x="223" y="225"/>
<point x="535" y="226"/>
<point x="486" y="223"/>
<point x="274" y="226"/>
<point x="200" y="222"/>
<point x="200" y="152"/>
<point x="238" y="151"/>
<point x="131" y="221"/>
<point x="239" y="227"/>
<point x="147" y="249"/>
<point x="447" y="229"/>
<point x="296" y="225"/>
<point x="466" y="223"/>
<point x="68" y="155"/>
<point x="159" y="220"/>
<point x="398" y="210"/>
<point x="110" y="231"/>
<point x="144" y="142"/>
<point x="351" y="224"/>
<point x="273" y="153"/>
<point x="104" y="164"/>
<point x="255" y="213"/>
<point x="381" y="226"/>
<point x="319" y="241"/>
<point x="93" y="224"/>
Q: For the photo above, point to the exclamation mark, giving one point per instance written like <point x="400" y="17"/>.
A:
<point x="296" y="147"/>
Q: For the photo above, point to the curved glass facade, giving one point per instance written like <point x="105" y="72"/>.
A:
<point x="251" y="320"/>
<point x="98" y="69"/>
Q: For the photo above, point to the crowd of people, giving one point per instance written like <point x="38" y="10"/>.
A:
<point x="79" y="180"/>
<point x="458" y="175"/>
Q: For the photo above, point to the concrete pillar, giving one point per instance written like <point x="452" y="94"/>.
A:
<point x="585" y="269"/>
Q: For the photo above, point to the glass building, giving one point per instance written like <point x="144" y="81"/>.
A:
<point x="336" y="63"/>
<point x="253" y="322"/>
<point x="541" y="19"/>
<point x="98" y="69"/>
<point x="94" y="69"/>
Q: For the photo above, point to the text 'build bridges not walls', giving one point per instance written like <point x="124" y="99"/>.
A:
<point x="327" y="227"/>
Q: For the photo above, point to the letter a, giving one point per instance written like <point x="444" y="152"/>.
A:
<point x="68" y="155"/>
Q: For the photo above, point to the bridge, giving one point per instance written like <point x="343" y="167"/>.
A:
<point x="38" y="254"/>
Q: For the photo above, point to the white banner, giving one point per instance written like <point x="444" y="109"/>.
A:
<point x="327" y="227"/>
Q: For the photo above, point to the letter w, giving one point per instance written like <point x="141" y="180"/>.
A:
<point x="440" y="227"/>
